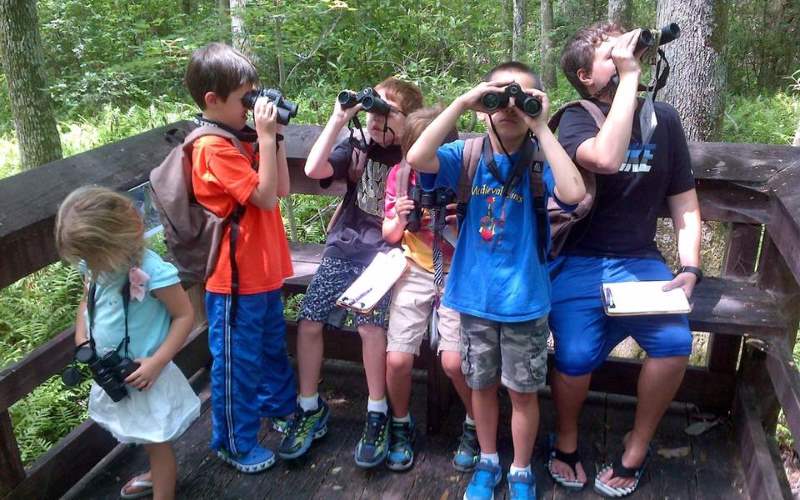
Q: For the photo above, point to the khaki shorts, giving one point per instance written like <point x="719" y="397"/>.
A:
<point x="410" y="313"/>
<point x="516" y="352"/>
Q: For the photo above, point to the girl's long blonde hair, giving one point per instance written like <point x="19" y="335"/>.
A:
<point x="100" y="227"/>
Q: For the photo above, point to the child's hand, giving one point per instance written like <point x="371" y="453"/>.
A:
<point x="345" y="115"/>
<point x="451" y="218"/>
<point x="624" y="58"/>
<point x="472" y="98"/>
<point x="145" y="376"/>
<point x="402" y="207"/>
<point x="541" y="119"/>
<point x="266" y="117"/>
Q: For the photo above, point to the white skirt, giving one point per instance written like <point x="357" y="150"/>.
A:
<point x="158" y="415"/>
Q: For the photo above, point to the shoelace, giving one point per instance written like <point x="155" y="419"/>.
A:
<point x="373" y="429"/>
<point x="469" y="440"/>
<point x="400" y="435"/>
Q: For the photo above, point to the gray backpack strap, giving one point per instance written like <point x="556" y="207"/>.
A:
<point x="211" y="130"/>
<point x="590" y="107"/>
<point x="469" y="164"/>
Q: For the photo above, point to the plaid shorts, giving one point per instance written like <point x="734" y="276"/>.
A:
<point x="333" y="277"/>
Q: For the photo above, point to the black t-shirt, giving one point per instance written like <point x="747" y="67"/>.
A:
<point x="357" y="232"/>
<point x="623" y="223"/>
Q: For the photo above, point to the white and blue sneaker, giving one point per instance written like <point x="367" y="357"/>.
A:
<point x="484" y="480"/>
<point x="521" y="486"/>
<point x="256" y="460"/>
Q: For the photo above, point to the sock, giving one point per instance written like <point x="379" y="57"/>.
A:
<point x="492" y="458"/>
<point x="381" y="406"/>
<point x="516" y="470"/>
<point x="403" y="420"/>
<point x="309" y="403"/>
<point x="469" y="421"/>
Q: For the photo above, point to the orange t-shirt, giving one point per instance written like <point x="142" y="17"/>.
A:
<point x="221" y="178"/>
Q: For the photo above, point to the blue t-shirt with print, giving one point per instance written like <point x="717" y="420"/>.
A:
<point x="148" y="319"/>
<point x="496" y="272"/>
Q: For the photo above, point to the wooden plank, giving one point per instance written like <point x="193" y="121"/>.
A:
<point x="784" y="225"/>
<point x="741" y="163"/>
<point x="12" y="472"/>
<point x="786" y="381"/>
<point x="725" y="201"/>
<point x="66" y="462"/>
<point x="764" y="476"/>
<point x="21" y="378"/>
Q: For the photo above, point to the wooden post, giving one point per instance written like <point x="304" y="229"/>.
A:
<point x="12" y="471"/>
<point x="740" y="261"/>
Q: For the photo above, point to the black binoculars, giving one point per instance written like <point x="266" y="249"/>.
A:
<point x="369" y="99"/>
<point x="529" y="104"/>
<point x="286" y="109"/>
<point x="437" y="198"/>
<point x="109" y="371"/>
<point x="646" y="38"/>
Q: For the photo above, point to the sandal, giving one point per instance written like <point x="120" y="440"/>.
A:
<point x="621" y="471"/>
<point x="571" y="459"/>
<point x="144" y="487"/>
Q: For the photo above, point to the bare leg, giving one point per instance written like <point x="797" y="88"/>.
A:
<point x="163" y="469"/>
<point x="524" y="425"/>
<point x="659" y="380"/>
<point x="373" y="347"/>
<point x="485" y="409"/>
<point x="398" y="381"/>
<point x="309" y="355"/>
<point x="569" y="393"/>
<point x="451" y="364"/>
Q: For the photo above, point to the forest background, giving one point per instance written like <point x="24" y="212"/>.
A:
<point x="114" y="68"/>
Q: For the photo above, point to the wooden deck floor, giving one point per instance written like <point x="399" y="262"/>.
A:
<point x="709" y="469"/>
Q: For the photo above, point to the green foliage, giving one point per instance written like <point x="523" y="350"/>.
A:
<point x="765" y="119"/>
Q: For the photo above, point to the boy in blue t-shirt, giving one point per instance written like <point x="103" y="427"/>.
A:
<point x="636" y="176"/>
<point x="498" y="277"/>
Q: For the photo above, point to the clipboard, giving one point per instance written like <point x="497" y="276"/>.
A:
<point x="369" y="288"/>
<point x="643" y="298"/>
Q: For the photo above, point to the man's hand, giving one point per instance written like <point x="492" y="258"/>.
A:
<point x="685" y="281"/>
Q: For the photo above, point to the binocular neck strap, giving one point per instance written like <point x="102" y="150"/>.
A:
<point x="518" y="167"/>
<point x="353" y="125"/>
<point x="90" y="308"/>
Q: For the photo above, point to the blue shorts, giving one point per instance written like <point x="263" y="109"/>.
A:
<point x="584" y="335"/>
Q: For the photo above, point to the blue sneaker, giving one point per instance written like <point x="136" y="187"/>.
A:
<point x="280" y="424"/>
<point x="484" y="479"/>
<point x="256" y="460"/>
<point x="401" y="450"/>
<point x="304" y="427"/>
<point x="469" y="451"/>
<point x="521" y="486"/>
<point x="373" y="446"/>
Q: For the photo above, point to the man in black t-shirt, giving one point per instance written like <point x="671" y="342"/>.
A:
<point x="615" y="243"/>
<point x="355" y="237"/>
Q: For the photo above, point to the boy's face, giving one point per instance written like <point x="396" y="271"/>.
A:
<point x="229" y="111"/>
<point x="396" y="121"/>
<point x="509" y="126"/>
<point x="603" y="67"/>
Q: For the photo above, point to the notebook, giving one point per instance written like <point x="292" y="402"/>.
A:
<point x="634" y="298"/>
<point x="369" y="288"/>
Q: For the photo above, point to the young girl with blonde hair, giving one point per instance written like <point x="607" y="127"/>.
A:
<point x="133" y="305"/>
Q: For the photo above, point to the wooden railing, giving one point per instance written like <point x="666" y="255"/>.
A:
<point x="755" y="189"/>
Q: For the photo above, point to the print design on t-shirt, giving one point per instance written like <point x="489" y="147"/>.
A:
<point x="638" y="160"/>
<point x="372" y="188"/>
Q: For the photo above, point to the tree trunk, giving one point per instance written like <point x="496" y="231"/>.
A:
<point x="224" y="17"/>
<point x="619" y="11"/>
<point x="549" y="80"/>
<point x="796" y="141"/>
<point x="518" y="39"/>
<point x="21" y="52"/>
<point x="697" y="80"/>
<point x="186" y="6"/>
<point x="241" y="41"/>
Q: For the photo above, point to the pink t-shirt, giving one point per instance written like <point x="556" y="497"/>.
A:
<point x="417" y="246"/>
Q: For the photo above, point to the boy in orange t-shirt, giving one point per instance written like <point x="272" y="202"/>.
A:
<point x="251" y="376"/>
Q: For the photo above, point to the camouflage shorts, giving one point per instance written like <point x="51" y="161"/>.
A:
<point x="516" y="352"/>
